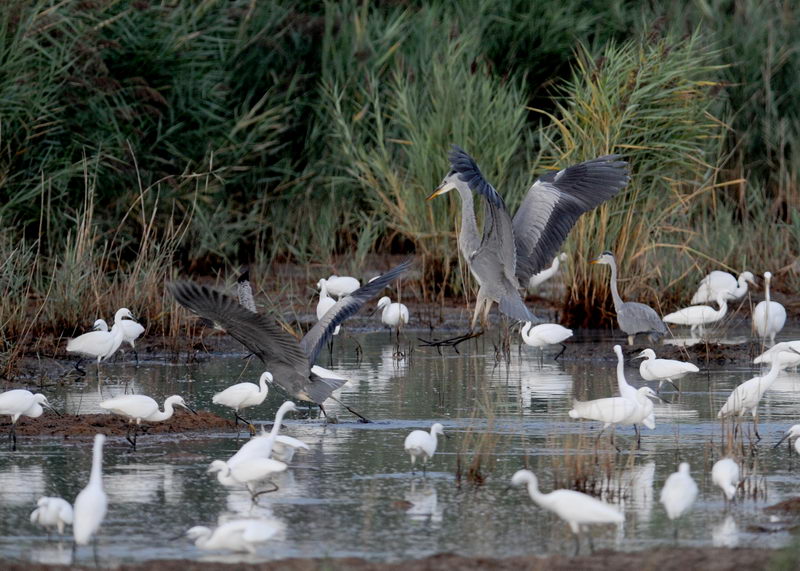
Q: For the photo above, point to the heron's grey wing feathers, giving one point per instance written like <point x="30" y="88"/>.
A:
<point x="322" y="387"/>
<point x="497" y="252"/>
<point x="322" y="331"/>
<point x="635" y="317"/>
<point x="263" y="336"/>
<point x="554" y="203"/>
<point x="513" y="306"/>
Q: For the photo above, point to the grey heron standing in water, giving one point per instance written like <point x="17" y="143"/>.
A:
<point x="509" y="251"/>
<point x="290" y="361"/>
<point x="632" y="317"/>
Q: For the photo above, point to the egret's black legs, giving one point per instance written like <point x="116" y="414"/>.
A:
<point x="81" y="372"/>
<point x="563" y="348"/>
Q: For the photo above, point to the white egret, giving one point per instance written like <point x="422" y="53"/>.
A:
<point x="538" y="279"/>
<point x="339" y="286"/>
<point x="131" y="330"/>
<point x="698" y="316"/>
<point x="141" y="407"/>
<point x="325" y="303"/>
<point x="545" y="334"/>
<point x="575" y="508"/>
<point x="745" y="397"/>
<point x="663" y="370"/>
<point x="394" y="315"/>
<point x="100" y="325"/>
<point x="235" y="535"/>
<point x="793" y="432"/>
<point x="768" y="316"/>
<point x="100" y="345"/>
<point x="787" y="351"/>
<point x="244" y="395"/>
<point x="725" y="474"/>
<point x="722" y="282"/>
<point x="679" y="492"/>
<point x="628" y="391"/>
<point x="261" y="446"/>
<point x="52" y="512"/>
<point x="422" y="445"/>
<point x="19" y="402"/>
<point x="91" y="503"/>
<point x="618" y="411"/>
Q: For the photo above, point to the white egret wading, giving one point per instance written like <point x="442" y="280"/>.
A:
<point x="244" y="395"/>
<point x="19" y="402"/>
<point x="698" y="316"/>
<point x="394" y="316"/>
<point x="679" y="493"/>
<point x="52" y="512"/>
<point x="577" y="509"/>
<point x="91" y="503"/>
<point x="422" y="445"/>
<point x="633" y="317"/>
<point x="792" y="434"/>
<point x="663" y="370"/>
<point x="236" y="535"/>
<point x="745" y="397"/>
<point x="100" y="345"/>
<point x="787" y="351"/>
<point x="722" y="282"/>
<point x="545" y="334"/>
<point x="768" y="316"/>
<point x="138" y="408"/>
<point x="725" y="474"/>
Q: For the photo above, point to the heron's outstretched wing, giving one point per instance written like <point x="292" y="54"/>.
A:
<point x="555" y="202"/>
<point x="322" y="331"/>
<point x="495" y="258"/>
<point x="280" y="352"/>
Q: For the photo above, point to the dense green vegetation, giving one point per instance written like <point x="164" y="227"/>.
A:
<point x="141" y="139"/>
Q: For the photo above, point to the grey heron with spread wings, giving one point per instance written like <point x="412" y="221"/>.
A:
<point x="509" y="251"/>
<point x="290" y="361"/>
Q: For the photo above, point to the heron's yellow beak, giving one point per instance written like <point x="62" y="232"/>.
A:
<point x="441" y="189"/>
<point x="595" y="261"/>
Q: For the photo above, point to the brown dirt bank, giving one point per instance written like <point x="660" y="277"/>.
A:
<point x="50" y="424"/>
<point x="662" y="559"/>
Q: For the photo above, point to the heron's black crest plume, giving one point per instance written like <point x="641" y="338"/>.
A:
<point x="468" y="171"/>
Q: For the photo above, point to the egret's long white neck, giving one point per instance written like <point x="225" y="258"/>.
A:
<point x="536" y="495"/>
<point x="323" y="291"/>
<point x="526" y="330"/>
<point x="262" y="384"/>
<point x="160" y="416"/>
<point x="96" y="477"/>
<point x="769" y="378"/>
<point x="622" y="382"/>
<point x="766" y="291"/>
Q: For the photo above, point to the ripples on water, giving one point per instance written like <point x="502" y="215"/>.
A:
<point x="353" y="493"/>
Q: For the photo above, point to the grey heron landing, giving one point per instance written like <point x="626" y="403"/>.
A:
<point x="290" y="361"/>
<point x="633" y="317"/>
<point x="509" y="251"/>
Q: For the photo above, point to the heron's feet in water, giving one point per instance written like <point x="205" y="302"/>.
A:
<point x="450" y="342"/>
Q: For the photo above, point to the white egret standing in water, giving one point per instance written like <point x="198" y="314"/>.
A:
<point x="52" y="512"/>
<point x="698" y="316"/>
<point x="244" y="395"/>
<point x="19" y="402"/>
<point x="91" y="503"/>
<point x="722" y="282"/>
<point x="422" y="445"/>
<point x="768" y="316"/>
<point x="394" y="315"/>
<point x="100" y="345"/>
<point x="725" y="474"/>
<point x="792" y="433"/>
<point x="663" y="370"/>
<point x="545" y="334"/>
<point x="141" y="407"/>
<point x="679" y="493"/>
<point x="575" y="508"/>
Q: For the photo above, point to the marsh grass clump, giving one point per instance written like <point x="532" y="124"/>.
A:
<point x="582" y="463"/>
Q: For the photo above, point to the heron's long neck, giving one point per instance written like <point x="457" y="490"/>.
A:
<point x="96" y="477"/>
<point x="469" y="226"/>
<point x="769" y="378"/>
<point x="614" y="290"/>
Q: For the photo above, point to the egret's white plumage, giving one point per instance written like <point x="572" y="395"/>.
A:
<point x="679" y="492"/>
<point x="339" y="286"/>
<point x="792" y="433"/>
<point x="698" y="316"/>
<point x="628" y="391"/>
<point x="235" y="535"/>
<point x="100" y="325"/>
<point x="100" y="344"/>
<point x="19" y="402"/>
<point x="725" y="474"/>
<point x="722" y="282"/>
<point x="141" y="407"/>
<point x="52" y="512"/>
<point x="617" y="410"/>
<point x="91" y="503"/>
<point x="575" y="508"/>
<point x="538" y="279"/>
<point x="545" y="334"/>
<point x="131" y="331"/>
<point x="421" y="444"/>
<point x="244" y="395"/>
<point x="394" y="315"/>
<point x="787" y="351"/>
<point x="661" y="370"/>
<point x="768" y="316"/>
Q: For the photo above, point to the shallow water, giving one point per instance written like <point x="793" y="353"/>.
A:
<point x="353" y="493"/>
